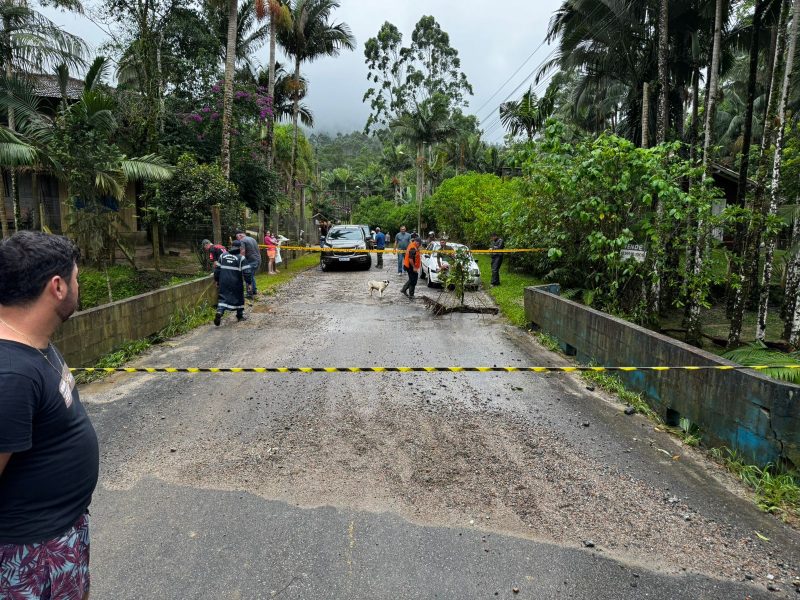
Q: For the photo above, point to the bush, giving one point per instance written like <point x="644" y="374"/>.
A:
<point x="184" y="202"/>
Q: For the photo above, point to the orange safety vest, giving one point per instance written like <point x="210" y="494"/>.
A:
<point x="417" y="257"/>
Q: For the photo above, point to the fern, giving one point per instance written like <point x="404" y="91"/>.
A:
<point x="758" y="354"/>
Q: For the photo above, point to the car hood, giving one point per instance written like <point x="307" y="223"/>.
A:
<point x="343" y="243"/>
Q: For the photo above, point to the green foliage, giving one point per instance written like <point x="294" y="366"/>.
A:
<point x="777" y="490"/>
<point x="124" y="281"/>
<point x="115" y="359"/>
<point x="613" y="384"/>
<point x="586" y="200"/>
<point x="403" y="77"/>
<point x="758" y="354"/>
<point x="508" y="296"/>
<point x="184" y="202"/>
<point x="355" y="151"/>
<point x="455" y="277"/>
<point x="379" y="212"/>
<point x="547" y="340"/>
<point x="469" y="208"/>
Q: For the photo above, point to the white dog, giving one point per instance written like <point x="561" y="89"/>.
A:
<point x="377" y="285"/>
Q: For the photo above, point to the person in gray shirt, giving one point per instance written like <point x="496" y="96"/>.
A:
<point x="252" y="254"/>
<point x="401" y="241"/>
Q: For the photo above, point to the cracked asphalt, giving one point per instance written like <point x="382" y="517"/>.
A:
<point x="403" y="485"/>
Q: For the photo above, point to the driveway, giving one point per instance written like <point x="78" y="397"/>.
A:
<point x="403" y="485"/>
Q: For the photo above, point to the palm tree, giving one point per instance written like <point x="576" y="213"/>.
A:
<point x="283" y="96"/>
<point x="279" y="18"/>
<point x="527" y="114"/>
<point x="429" y="122"/>
<point x="29" y="43"/>
<point x="54" y="146"/>
<point x="311" y="36"/>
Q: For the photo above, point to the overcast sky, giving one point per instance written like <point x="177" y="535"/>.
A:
<point x="492" y="42"/>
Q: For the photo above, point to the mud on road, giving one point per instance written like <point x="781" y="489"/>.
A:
<point x="533" y="456"/>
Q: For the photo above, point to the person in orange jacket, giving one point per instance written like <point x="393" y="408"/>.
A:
<point x="412" y="263"/>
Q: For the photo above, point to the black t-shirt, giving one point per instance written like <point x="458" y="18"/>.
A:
<point x="49" y="479"/>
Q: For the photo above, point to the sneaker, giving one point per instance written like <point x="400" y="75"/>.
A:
<point x="405" y="293"/>
<point x="217" y="319"/>
<point x="242" y="318"/>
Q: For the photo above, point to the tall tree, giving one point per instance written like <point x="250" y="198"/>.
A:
<point x="526" y="115"/>
<point x="427" y="123"/>
<point x="405" y="76"/>
<point x="747" y="276"/>
<point x="775" y="184"/>
<point x="309" y="37"/>
<point x="663" y="72"/>
<point x="700" y="238"/>
<point x="227" y="108"/>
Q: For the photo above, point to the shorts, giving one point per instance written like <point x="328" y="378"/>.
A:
<point x="57" y="569"/>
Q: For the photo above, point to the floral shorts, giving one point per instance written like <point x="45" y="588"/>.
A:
<point x="57" y="569"/>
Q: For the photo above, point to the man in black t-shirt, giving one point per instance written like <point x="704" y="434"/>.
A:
<point x="49" y="454"/>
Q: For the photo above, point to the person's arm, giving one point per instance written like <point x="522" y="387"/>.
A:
<point x="4" y="456"/>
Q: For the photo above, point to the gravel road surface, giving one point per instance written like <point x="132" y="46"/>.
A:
<point x="394" y="485"/>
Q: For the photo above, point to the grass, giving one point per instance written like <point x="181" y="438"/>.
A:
<point x="777" y="491"/>
<point x="124" y="280"/>
<point x="509" y="295"/>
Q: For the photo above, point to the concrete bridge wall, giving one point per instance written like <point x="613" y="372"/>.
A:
<point x="743" y="410"/>
<point x="92" y="333"/>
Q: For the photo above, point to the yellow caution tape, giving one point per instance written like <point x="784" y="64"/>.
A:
<point x="393" y="251"/>
<point x="571" y="369"/>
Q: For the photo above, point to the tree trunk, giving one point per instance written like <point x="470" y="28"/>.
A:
<point x="792" y="279"/>
<point x="295" y="112"/>
<point x="227" y="110"/>
<point x="663" y="73"/>
<point x="747" y="134"/>
<point x="645" y="115"/>
<point x="420" y="182"/>
<point x="748" y="273"/>
<point x="693" y="325"/>
<point x="763" y="305"/>
<point x="273" y="31"/>
<point x="3" y="214"/>
<point x="36" y="196"/>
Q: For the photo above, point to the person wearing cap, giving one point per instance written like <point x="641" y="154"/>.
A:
<point x="214" y="251"/>
<point x="380" y="246"/>
<point x="429" y="240"/>
<point x="232" y="274"/>
<point x="252" y="254"/>
<point x="412" y="261"/>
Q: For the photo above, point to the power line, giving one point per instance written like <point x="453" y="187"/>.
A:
<point x="482" y="106"/>
<point x="493" y="123"/>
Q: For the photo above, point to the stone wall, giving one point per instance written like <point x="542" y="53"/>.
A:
<point x="92" y="333"/>
<point x="743" y="410"/>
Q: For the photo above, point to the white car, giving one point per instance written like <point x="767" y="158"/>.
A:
<point x="430" y="264"/>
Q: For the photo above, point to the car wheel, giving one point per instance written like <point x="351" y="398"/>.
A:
<point x="323" y="265"/>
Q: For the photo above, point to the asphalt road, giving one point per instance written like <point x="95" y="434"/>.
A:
<point x="403" y="485"/>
